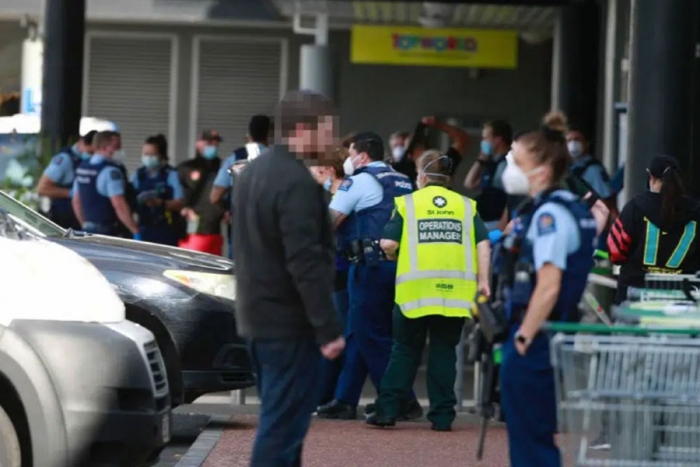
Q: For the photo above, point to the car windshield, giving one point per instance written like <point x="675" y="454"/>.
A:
<point x="30" y="221"/>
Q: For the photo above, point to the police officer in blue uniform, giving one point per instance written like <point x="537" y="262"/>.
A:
<point x="360" y="208"/>
<point x="99" y="191"/>
<point x="547" y="258"/>
<point x="258" y="133"/>
<point x="57" y="180"/>
<point x="159" y="194"/>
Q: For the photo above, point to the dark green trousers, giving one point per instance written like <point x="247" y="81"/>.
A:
<point x="409" y="340"/>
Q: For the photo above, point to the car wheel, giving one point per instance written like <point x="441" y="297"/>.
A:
<point x="10" y="453"/>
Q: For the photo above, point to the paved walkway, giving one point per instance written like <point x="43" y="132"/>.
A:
<point x="353" y="444"/>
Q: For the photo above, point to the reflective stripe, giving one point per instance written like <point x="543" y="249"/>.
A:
<point x="417" y="275"/>
<point x="413" y="272"/>
<point x="412" y="233"/>
<point x="441" y="302"/>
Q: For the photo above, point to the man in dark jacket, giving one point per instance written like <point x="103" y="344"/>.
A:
<point x="285" y="261"/>
<point x="197" y="178"/>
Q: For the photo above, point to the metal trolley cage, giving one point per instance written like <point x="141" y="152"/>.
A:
<point x="668" y="287"/>
<point x="640" y="385"/>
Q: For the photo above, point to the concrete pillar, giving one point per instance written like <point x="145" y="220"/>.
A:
<point x="578" y="36"/>
<point x="316" y="69"/>
<point x="662" y="56"/>
<point x="64" y="32"/>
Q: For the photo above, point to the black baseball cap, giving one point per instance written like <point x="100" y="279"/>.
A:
<point x="661" y="165"/>
<point x="211" y="135"/>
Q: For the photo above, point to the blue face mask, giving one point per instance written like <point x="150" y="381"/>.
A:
<point x="150" y="162"/>
<point x="85" y="156"/>
<point x="210" y="152"/>
<point x="486" y="147"/>
<point x="327" y="184"/>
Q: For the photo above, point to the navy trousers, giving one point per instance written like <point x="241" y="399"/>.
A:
<point x="162" y="234"/>
<point x="368" y="334"/>
<point x="287" y="378"/>
<point x="528" y="397"/>
<point x="333" y="368"/>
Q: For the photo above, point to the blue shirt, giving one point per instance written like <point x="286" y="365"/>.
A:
<point x="173" y="183"/>
<point x="110" y="181"/>
<point x="60" y="170"/>
<point x="553" y="226"/>
<point x="358" y="192"/>
<point x="618" y="180"/>
<point x="223" y="178"/>
<point x="596" y="176"/>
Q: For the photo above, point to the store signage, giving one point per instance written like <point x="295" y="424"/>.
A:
<point x="477" y="48"/>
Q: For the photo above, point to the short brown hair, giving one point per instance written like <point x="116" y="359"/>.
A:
<point x="104" y="139"/>
<point x="346" y="140"/>
<point x="301" y="107"/>
<point x="547" y="147"/>
<point x="440" y="166"/>
<point x="336" y="161"/>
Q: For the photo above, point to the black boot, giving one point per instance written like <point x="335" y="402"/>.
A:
<point x="337" y="410"/>
<point x="380" y="421"/>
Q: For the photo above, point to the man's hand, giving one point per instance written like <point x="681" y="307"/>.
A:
<point x="227" y="217"/>
<point x="333" y="349"/>
<point x="484" y="289"/>
<point x="189" y="214"/>
<point x="521" y="348"/>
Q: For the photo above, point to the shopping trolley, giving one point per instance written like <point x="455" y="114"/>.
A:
<point x="642" y="384"/>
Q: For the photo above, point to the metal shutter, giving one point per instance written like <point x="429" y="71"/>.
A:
<point x="234" y="81"/>
<point x="129" y="83"/>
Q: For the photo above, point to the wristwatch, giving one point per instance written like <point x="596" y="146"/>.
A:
<point x="521" y="339"/>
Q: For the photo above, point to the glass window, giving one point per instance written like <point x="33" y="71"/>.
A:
<point x="32" y="221"/>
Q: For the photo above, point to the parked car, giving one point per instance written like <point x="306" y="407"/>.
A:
<point x="185" y="298"/>
<point x="79" y="385"/>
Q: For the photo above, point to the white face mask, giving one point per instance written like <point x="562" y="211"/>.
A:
<point x="119" y="155"/>
<point x="398" y="153"/>
<point x="348" y="166"/>
<point x="515" y="181"/>
<point x="575" y="148"/>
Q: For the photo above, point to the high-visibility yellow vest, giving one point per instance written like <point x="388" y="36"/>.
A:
<point x="437" y="261"/>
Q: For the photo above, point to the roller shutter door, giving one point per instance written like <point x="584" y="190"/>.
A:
<point x="129" y="82"/>
<point x="236" y="80"/>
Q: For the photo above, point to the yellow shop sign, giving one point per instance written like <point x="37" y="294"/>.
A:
<point x="388" y="45"/>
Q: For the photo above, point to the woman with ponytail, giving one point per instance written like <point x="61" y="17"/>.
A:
<point x="657" y="231"/>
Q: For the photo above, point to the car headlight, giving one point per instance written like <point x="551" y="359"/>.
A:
<point x="219" y="285"/>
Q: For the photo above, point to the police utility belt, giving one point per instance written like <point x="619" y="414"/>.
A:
<point x="365" y="251"/>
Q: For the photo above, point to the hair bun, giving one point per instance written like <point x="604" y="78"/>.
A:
<point x="556" y="120"/>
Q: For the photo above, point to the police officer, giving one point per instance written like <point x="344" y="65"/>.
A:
<point x="257" y="143"/>
<point x="258" y="134"/>
<point x="548" y="258"/>
<point x="159" y="193"/>
<point x="99" y="190"/>
<point x="444" y="260"/>
<point x="57" y="180"/>
<point x="485" y="174"/>
<point x="360" y="208"/>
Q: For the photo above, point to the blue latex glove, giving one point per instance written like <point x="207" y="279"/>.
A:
<point x="137" y="236"/>
<point x="495" y="235"/>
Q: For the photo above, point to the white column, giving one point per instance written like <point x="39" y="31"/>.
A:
<point x="556" y="67"/>
<point x="316" y="61"/>
<point x="611" y="72"/>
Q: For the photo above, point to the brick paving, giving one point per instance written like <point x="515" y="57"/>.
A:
<point x="353" y="444"/>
